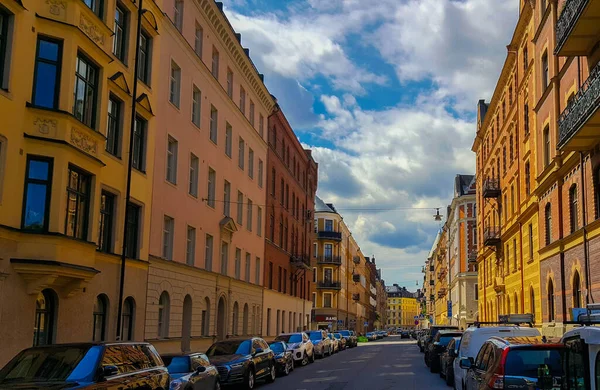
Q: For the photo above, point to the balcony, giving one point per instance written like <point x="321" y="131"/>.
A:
<point x="499" y="284"/>
<point x="577" y="28"/>
<point x="432" y="297"/>
<point x="329" y="235"/>
<point x="356" y="297"/>
<point x="431" y="268"/>
<point x="300" y="262"/>
<point x="578" y="123"/>
<point x="356" y="259"/>
<point x="442" y="273"/>
<point x="491" y="236"/>
<point x="441" y="293"/>
<point x="333" y="260"/>
<point x="329" y="285"/>
<point x="472" y="256"/>
<point x="431" y="282"/>
<point x="491" y="188"/>
<point x="356" y="278"/>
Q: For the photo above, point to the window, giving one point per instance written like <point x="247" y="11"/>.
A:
<point x="525" y="57"/>
<point x="230" y="83"/>
<point x="530" y="242"/>
<point x="573" y="211"/>
<point x="261" y="125"/>
<point x="512" y="199"/>
<point x="172" y="147"/>
<point x="175" y="84"/>
<point x="178" y="14"/>
<point x="38" y="189"/>
<point x="550" y="301"/>
<point x="196" y="105"/>
<point x="527" y="178"/>
<point x="224" y="257"/>
<point x="240" y="208"/>
<point x="243" y="100"/>
<point x="144" y="59"/>
<point x="241" y="152"/>
<point x="78" y="203"/>
<point x="107" y="216"/>
<point x="260" y="173"/>
<point x="163" y="315"/>
<point x="546" y="146"/>
<point x="532" y="301"/>
<point x="212" y="181"/>
<point x="227" y="198"/>
<point x="251" y="112"/>
<point x="514" y="255"/>
<point x="238" y="263"/>
<point x="45" y="318"/>
<point x="279" y="279"/>
<point x="257" y="271"/>
<point x="326" y="299"/>
<point x="250" y="163"/>
<point x="214" y="124"/>
<point x="273" y="180"/>
<point x="86" y="84"/>
<point x="133" y="228"/>
<point x="548" y="219"/>
<point x="511" y="149"/>
<point x="248" y="265"/>
<point x="139" y="144"/>
<point x="120" y="33"/>
<point x="100" y="313"/>
<point x="576" y="290"/>
<point x="190" y="248"/>
<point x="545" y="72"/>
<point x="114" y="126"/>
<point x="249" y="216"/>
<point x="208" y="253"/>
<point x="328" y="225"/>
<point x="315" y="250"/>
<point x="194" y="167"/>
<point x="215" y="63"/>
<point x="476" y="292"/>
<point x="168" y="226"/>
<point x="282" y="192"/>
<point x="228" y="137"/>
<point x="198" y="40"/>
<point x="259" y="222"/>
<point x="272" y="227"/>
<point x="526" y="118"/>
<point x="327" y="251"/>
<point x="504" y="160"/>
<point x="127" y="319"/>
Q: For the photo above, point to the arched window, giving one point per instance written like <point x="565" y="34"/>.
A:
<point x="576" y="290"/>
<point x="550" y="300"/>
<point x="245" y="320"/>
<point x="548" y="220"/>
<point x="546" y="146"/>
<point x="100" y="316"/>
<point x="235" y="319"/>
<point x="128" y="318"/>
<point x="164" y="308"/>
<point x="186" y="324"/>
<point x="206" y="317"/>
<point x="516" y="304"/>
<point x="532" y="301"/>
<point x="573" y="212"/>
<point x="46" y="308"/>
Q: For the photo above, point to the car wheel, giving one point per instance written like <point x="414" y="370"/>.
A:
<point x="304" y="361"/>
<point x="217" y="385"/>
<point x="286" y="369"/>
<point x="250" y="379"/>
<point x="272" y="374"/>
<point x="449" y="378"/>
<point x="442" y="372"/>
<point x="293" y="364"/>
<point x="312" y="357"/>
<point x="427" y="359"/>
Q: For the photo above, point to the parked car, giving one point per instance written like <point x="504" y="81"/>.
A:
<point x="86" y="366"/>
<point x="335" y="342"/>
<point x="515" y="363"/>
<point x="321" y="342"/>
<point x="474" y="337"/>
<point x="432" y="332"/>
<point x="351" y="339"/>
<point x="437" y="347"/>
<point x="192" y="371"/>
<point x="404" y="334"/>
<point x="581" y="360"/>
<point x="421" y="341"/>
<point x="342" y="341"/>
<point x="283" y="357"/>
<point x="300" y="345"/>
<point x="371" y="336"/>
<point x="243" y="361"/>
<point x="447" y="360"/>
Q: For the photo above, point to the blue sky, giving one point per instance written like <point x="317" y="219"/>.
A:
<point x="384" y="92"/>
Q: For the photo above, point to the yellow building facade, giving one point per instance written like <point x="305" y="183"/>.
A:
<point x="66" y="104"/>
<point x="402" y="308"/>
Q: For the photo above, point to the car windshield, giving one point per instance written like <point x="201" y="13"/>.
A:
<point x="525" y="362"/>
<point x="345" y="333"/>
<point x="318" y="336"/>
<point x="277" y="347"/>
<point x="54" y="364"/>
<point x="289" y="338"/>
<point x="234" y="347"/>
<point x="337" y="336"/>
<point x="177" y="364"/>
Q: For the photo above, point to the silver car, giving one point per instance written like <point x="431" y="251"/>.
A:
<point x="300" y="345"/>
<point x="322" y="343"/>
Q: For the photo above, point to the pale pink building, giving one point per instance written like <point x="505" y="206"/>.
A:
<point x="208" y="215"/>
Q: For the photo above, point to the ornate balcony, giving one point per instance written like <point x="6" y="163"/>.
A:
<point x="491" y="188"/>
<point x="329" y="285"/>
<point x="491" y="236"/>
<point x="578" y="123"/>
<point x="356" y="259"/>
<point x="442" y="273"/>
<point x="300" y="262"/>
<point x="431" y="268"/>
<point x="329" y="235"/>
<point x="472" y="256"/>
<point x="356" y="278"/>
<point x="577" y="28"/>
<point x="499" y="284"/>
<point x="356" y="297"/>
<point x="432" y="297"/>
<point x="333" y="260"/>
<point x="431" y="282"/>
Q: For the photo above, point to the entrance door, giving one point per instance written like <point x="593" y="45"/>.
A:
<point x="221" y="327"/>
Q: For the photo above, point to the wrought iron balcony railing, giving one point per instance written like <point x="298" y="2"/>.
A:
<point x="491" y="188"/>
<point x="329" y="235"/>
<point x="472" y="256"/>
<point x="300" y="261"/>
<point x="431" y="282"/>
<point x="567" y="20"/>
<point x="329" y="285"/>
<point x="356" y="259"/>
<point x="579" y="111"/>
<point x="356" y="297"/>
<point x="491" y="236"/>
<point x="335" y="260"/>
<point x="356" y="278"/>
<point x="431" y="268"/>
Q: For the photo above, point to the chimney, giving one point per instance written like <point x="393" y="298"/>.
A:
<point x="238" y="36"/>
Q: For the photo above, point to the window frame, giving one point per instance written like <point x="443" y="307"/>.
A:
<point x="250" y="163"/>
<point x="96" y="6"/>
<point x="145" y="63"/>
<point x="215" y="62"/>
<point x="87" y="206"/>
<point x="122" y="53"/>
<point x="168" y="237"/>
<point x="133" y="251"/>
<point x="114" y="136"/>
<point x="58" y="67"/>
<point x="243" y="100"/>
<point x="196" y="105"/>
<point x="87" y="81"/>
<point x="47" y="183"/>
<point x="241" y="153"/>
<point x="178" y="15"/>
<point x="213" y="133"/>
<point x="102" y="316"/>
<point x="194" y="175"/>
<point x="260" y="173"/>
<point x="190" y="248"/>
<point x="198" y="40"/>
<point x="228" y="140"/>
<point x="107" y="219"/>
<point x="139" y="152"/>
<point x="171" y="160"/>
<point x="212" y="184"/>
<point x="175" y="84"/>
<point x="226" y="198"/>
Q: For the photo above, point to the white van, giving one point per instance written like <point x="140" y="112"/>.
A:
<point x="474" y="337"/>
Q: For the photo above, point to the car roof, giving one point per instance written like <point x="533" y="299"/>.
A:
<point x="444" y="327"/>
<point x="90" y="344"/>
<point x="450" y="332"/>
<point x="181" y="354"/>
<point x="289" y="334"/>
<point x="493" y="329"/>
<point x="522" y="341"/>
<point x="590" y="334"/>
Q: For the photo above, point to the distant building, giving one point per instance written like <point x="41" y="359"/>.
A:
<point x="402" y="307"/>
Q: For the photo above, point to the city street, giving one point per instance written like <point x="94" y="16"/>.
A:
<point x="390" y="363"/>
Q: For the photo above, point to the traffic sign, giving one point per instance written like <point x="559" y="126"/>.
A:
<point x="449" y="314"/>
<point x="415" y="317"/>
<point x="366" y="323"/>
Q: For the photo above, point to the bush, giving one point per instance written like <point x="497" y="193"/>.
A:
<point x="363" y="339"/>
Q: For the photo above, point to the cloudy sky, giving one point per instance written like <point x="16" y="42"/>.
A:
<point x="384" y="92"/>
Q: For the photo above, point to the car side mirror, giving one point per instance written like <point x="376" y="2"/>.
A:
<point x="200" y="369"/>
<point x="465" y="363"/>
<point x="108" y="371"/>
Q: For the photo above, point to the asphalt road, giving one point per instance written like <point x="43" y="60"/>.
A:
<point x="389" y="363"/>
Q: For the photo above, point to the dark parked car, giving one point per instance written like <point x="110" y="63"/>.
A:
<point x="283" y="357"/>
<point x="437" y="347"/>
<point x="351" y="339"/>
<point x="192" y="371"/>
<point x="404" y="334"/>
<point x="431" y="334"/>
<point x="86" y="366"/>
<point x="243" y="361"/>
<point x="447" y="360"/>
<point x="515" y="363"/>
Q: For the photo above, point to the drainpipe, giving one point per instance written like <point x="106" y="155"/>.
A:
<point x="588" y="276"/>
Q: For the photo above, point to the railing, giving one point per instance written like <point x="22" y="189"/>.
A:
<point x="329" y="285"/>
<point x="491" y="236"/>
<point x="356" y="259"/>
<point x="491" y="188"/>
<point x="472" y="256"/>
<point x="431" y="282"/>
<point x="431" y="268"/>
<point x="329" y="235"/>
<point x="356" y="297"/>
<point x="300" y="261"/>
<point x="356" y="278"/>
<point x="337" y="260"/>
<point x="567" y="19"/>
<point x="583" y="105"/>
<point x="442" y="273"/>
